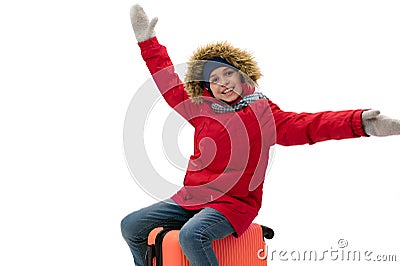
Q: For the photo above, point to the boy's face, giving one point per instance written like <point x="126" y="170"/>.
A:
<point x="226" y="84"/>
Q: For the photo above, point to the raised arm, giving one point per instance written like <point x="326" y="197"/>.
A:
<point x="158" y="61"/>
<point x="308" y="128"/>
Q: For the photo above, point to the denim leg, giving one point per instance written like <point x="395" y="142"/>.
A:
<point x="136" y="226"/>
<point x="197" y="234"/>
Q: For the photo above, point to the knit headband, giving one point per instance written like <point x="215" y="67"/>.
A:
<point x="212" y="64"/>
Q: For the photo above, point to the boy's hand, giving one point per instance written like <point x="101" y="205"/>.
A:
<point x="140" y="23"/>
<point x="375" y="124"/>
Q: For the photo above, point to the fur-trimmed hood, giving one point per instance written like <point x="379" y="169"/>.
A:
<point x="241" y="59"/>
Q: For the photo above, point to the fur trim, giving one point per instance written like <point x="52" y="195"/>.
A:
<point x="241" y="59"/>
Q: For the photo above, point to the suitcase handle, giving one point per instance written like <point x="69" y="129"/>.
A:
<point x="150" y="254"/>
<point x="268" y="233"/>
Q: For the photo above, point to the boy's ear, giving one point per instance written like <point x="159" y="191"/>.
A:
<point x="242" y="79"/>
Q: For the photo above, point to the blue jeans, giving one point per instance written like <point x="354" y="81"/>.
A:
<point x="199" y="229"/>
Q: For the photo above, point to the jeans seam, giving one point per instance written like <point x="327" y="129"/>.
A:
<point x="206" y="228"/>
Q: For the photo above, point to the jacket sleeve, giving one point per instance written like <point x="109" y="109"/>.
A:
<point x="308" y="128"/>
<point x="163" y="72"/>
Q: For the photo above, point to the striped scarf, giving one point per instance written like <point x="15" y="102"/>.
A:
<point x="245" y="101"/>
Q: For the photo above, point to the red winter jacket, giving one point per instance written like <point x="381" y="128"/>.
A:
<point x="227" y="169"/>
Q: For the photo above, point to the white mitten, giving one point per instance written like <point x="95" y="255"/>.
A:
<point x="375" y="124"/>
<point x="140" y="23"/>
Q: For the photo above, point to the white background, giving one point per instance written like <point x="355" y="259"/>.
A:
<point x="69" y="69"/>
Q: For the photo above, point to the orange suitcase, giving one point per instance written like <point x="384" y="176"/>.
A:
<point x="246" y="250"/>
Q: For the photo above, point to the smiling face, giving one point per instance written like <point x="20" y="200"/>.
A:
<point x="226" y="84"/>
